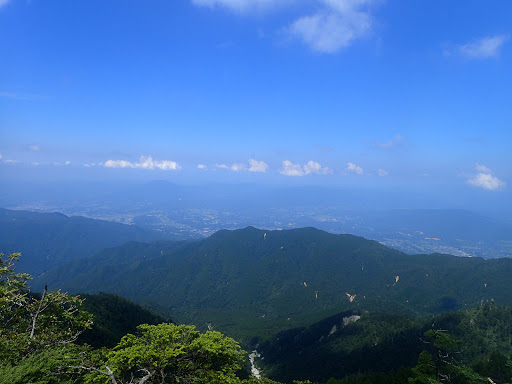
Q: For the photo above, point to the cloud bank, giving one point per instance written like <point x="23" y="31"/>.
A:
<point x="251" y="166"/>
<point x="143" y="163"/>
<point x="311" y="167"/>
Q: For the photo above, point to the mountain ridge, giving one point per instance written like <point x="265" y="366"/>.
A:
<point x="46" y="240"/>
<point x="273" y="280"/>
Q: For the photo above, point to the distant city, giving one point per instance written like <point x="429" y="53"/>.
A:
<point x="410" y="231"/>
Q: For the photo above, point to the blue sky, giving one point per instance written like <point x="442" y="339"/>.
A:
<point x="334" y="92"/>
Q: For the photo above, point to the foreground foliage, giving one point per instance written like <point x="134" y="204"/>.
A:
<point x="37" y="335"/>
<point x="169" y="353"/>
<point x="31" y="324"/>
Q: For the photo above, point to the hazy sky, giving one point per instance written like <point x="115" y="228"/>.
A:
<point x="359" y="92"/>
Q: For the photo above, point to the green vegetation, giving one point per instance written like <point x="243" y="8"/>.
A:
<point x="168" y="353"/>
<point x="37" y="335"/>
<point x="385" y="348"/>
<point x="40" y="335"/>
<point x="31" y="324"/>
<point x="253" y="283"/>
<point x="278" y="291"/>
<point x="114" y="317"/>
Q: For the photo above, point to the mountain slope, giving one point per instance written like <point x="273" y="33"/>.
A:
<point x="253" y="282"/>
<point x="46" y="240"/>
<point x="114" y="317"/>
<point x="351" y="343"/>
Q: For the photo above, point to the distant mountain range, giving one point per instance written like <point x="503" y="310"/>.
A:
<point x="184" y="212"/>
<point x="254" y="283"/>
<point x="47" y="240"/>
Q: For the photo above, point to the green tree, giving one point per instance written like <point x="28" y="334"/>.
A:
<point x="49" y="366"/>
<point x="443" y="368"/>
<point x="30" y="324"/>
<point x="169" y="353"/>
<point x="425" y="371"/>
<point x="37" y="334"/>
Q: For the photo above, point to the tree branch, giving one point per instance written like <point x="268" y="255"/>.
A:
<point x="108" y="373"/>
<point x="39" y="310"/>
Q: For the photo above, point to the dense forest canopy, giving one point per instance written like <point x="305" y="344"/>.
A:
<point x="42" y="341"/>
<point x="271" y="281"/>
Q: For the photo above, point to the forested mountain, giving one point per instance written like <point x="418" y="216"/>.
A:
<point x="366" y="343"/>
<point x="253" y="282"/>
<point x="113" y="317"/>
<point x="47" y="240"/>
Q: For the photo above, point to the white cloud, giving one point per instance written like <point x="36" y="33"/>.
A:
<point x="35" y="163"/>
<point x="67" y="162"/>
<point x="253" y="166"/>
<point x="483" y="48"/>
<point x="312" y="167"/>
<point x="290" y="169"/>
<point x="351" y="167"/>
<point x="482" y="168"/>
<point x="382" y="172"/>
<point x="485" y="179"/>
<point x="118" y="164"/>
<point x="11" y="161"/>
<point x="201" y="166"/>
<point x="89" y="165"/>
<point x="1" y="156"/>
<point x="335" y="26"/>
<point x="237" y="167"/>
<point x="34" y="147"/>
<point x="257" y="166"/>
<point x="167" y="165"/>
<point x="143" y="163"/>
